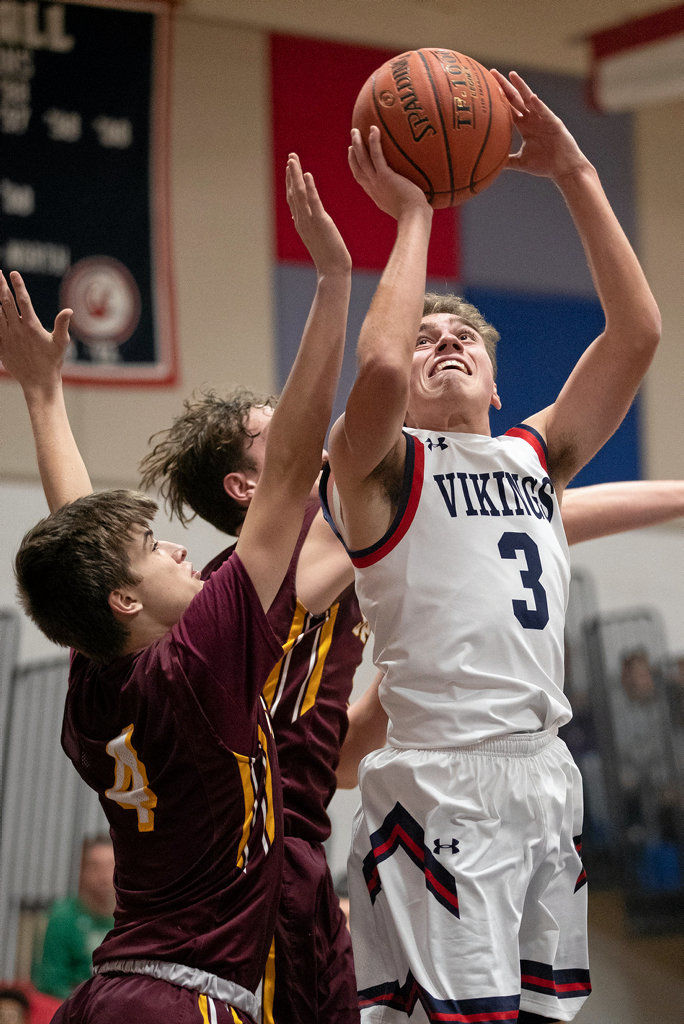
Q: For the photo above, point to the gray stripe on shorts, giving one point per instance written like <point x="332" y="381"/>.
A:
<point x="187" y="977"/>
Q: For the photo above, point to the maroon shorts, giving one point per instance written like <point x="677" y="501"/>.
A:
<point x="114" y="998"/>
<point x="312" y="974"/>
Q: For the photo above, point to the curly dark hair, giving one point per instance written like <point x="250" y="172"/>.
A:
<point x="190" y="459"/>
<point x="69" y="563"/>
<point x="434" y="303"/>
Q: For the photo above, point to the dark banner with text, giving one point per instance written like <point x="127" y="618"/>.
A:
<point x="84" y="179"/>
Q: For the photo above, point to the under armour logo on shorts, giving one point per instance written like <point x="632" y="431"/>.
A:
<point x="439" y="846"/>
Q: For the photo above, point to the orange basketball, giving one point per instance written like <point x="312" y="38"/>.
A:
<point x="444" y="120"/>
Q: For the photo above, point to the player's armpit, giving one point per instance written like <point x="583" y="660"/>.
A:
<point x="367" y="502"/>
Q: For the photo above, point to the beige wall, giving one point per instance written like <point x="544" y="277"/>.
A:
<point x="536" y="33"/>
<point x="222" y="200"/>
<point x="659" y="156"/>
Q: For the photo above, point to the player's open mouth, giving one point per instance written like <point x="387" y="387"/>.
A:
<point x="449" y="364"/>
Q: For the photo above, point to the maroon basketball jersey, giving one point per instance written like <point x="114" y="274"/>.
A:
<point x="307" y="694"/>
<point x="176" y="742"/>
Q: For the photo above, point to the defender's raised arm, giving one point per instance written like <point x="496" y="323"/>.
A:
<point x="301" y="418"/>
<point x="34" y="357"/>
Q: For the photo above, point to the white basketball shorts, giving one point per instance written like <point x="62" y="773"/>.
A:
<point x="468" y="896"/>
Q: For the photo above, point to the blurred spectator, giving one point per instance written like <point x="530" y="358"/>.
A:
<point x="78" y="924"/>
<point x="32" y="1007"/>
<point x="14" y="1006"/>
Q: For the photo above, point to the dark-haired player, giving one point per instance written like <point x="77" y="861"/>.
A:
<point x="466" y="884"/>
<point x="164" y="716"/>
<point x="209" y="462"/>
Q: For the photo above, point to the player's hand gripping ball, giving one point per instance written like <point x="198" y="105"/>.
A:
<point x="444" y="121"/>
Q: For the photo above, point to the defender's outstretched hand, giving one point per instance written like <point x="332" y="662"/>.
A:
<point x="391" y="192"/>
<point x="315" y="227"/>
<point x="548" y="149"/>
<point x="34" y="356"/>
<point x="30" y="353"/>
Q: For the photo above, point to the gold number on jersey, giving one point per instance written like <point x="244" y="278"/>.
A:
<point x="130" y="789"/>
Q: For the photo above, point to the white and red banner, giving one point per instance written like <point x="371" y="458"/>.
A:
<point x="639" y="62"/>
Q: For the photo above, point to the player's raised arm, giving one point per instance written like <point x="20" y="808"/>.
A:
<point x="604" y="509"/>
<point x="371" y="425"/>
<point x="600" y="389"/>
<point x="300" y="420"/>
<point x="34" y="357"/>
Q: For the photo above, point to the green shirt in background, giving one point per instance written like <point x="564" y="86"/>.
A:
<point x="71" y="935"/>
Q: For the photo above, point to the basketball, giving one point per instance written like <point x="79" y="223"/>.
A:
<point x="444" y="121"/>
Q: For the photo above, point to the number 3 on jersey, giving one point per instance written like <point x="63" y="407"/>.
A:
<point x="130" y="789"/>
<point x="509" y="546"/>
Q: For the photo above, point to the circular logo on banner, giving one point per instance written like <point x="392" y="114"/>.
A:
<point x="105" y="299"/>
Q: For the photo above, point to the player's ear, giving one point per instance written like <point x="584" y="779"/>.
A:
<point x="495" y="400"/>
<point x="239" y="486"/>
<point x="123" y="605"/>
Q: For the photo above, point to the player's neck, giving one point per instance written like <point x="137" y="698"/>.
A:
<point x="454" y="424"/>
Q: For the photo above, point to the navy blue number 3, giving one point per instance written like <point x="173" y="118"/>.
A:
<point x="537" y="616"/>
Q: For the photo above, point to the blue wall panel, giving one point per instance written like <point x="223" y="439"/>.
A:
<point x="542" y="337"/>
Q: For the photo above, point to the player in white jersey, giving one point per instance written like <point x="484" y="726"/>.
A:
<point x="467" y="890"/>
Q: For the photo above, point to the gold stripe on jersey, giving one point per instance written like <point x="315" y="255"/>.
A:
<point x="245" y="767"/>
<point x="296" y="629"/>
<point x="203" y="1008"/>
<point x="268" y="987"/>
<point x="270" y="815"/>
<point x="248" y="778"/>
<point x="131" y="789"/>
<point x="236" y="1019"/>
<point x="309" y="689"/>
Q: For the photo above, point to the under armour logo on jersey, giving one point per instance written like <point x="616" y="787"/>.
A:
<point x="439" y="846"/>
<point x="439" y="443"/>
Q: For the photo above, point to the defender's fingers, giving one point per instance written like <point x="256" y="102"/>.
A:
<point x="295" y="178"/>
<point x="22" y="296"/>
<point x="314" y="200"/>
<point x="60" y="331"/>
<point x="6" y="297"/>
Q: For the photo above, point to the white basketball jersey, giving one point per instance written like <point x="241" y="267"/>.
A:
<point x="466" y="592"/>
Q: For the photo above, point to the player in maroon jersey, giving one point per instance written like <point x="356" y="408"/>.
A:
<point x="310" y="975"/>
<point x="164" y="716"/>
